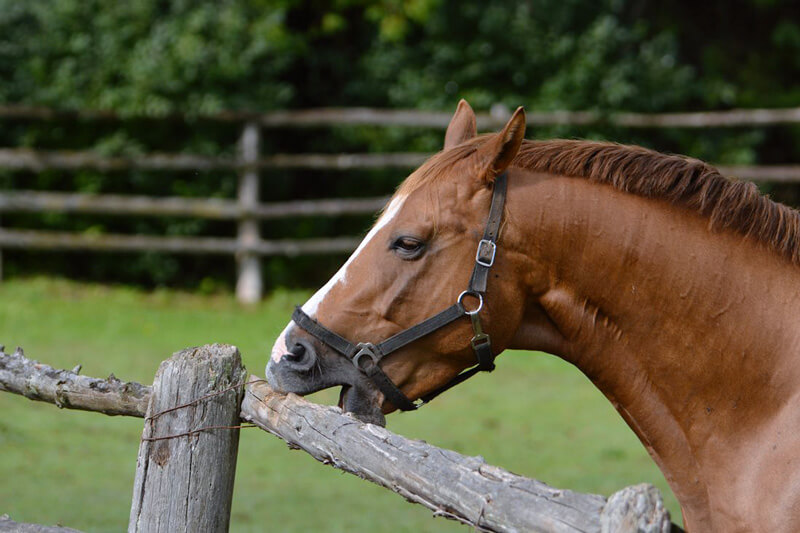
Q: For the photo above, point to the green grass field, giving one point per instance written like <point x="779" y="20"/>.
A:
<point x="535" y="415"/>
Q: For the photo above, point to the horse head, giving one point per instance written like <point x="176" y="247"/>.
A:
<point x="415" y="262"/>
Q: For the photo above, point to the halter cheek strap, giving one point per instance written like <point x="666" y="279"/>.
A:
<point x="367" y="356"/>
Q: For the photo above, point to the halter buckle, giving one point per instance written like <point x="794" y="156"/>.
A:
<point x="365" y="348"/>
<point x="481" y="338"/>
<point x="481" y="342"/>
<point x="485" y="254"/>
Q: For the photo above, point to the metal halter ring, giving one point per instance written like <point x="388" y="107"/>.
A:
<point x="365" y="348"/>
<point x="460" y="302"/>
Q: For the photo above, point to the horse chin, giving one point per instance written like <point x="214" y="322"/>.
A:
<point x="362" y="403"/>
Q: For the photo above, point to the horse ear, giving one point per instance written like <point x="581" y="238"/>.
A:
<point x="462" y="126"/>
<point x="496" y="155"/>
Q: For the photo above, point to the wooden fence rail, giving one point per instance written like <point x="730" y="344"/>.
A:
<point x="21" y="201"/>
<point x="39" y="160"/>
<point x="51" y="240"/>
<point x="68" y="389"/>
<point x="191" y="491"/>
<point x="321" y="117"/>
<point x="7" y="525"/>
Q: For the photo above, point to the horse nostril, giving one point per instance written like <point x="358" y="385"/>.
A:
<point x="301" y="357"/>
<point x="296" y="352"/>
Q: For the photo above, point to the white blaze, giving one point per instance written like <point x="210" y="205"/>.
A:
<point x="311" y="306"/>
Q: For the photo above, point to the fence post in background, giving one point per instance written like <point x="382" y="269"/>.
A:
<point x="249" y="284"/>
<point x="185" y="483"/>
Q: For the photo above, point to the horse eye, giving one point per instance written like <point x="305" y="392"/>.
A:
<point x="408" y="247"/>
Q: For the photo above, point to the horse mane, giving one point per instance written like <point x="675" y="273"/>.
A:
<point x="686" y="182"/>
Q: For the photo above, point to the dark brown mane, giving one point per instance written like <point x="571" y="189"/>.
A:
<point x="682" y="181"/>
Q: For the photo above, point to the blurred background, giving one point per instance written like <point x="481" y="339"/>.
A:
<point x="162" y="161"/>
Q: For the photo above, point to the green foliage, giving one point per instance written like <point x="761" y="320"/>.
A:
<point x="548" y="54"/>
<point x="147" y="57"/>
<point x="152" y="58"/>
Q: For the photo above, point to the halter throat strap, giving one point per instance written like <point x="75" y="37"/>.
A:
<point x="367" y="356"/>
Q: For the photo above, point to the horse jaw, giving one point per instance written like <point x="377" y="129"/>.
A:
<point x="363" y="403"/>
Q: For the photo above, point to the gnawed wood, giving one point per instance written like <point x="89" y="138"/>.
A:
<point x="67" y="389"/>
<point x="186" y="483"/>
<point x="638" y="508"/>
<point x="9" y="526"/>
<point x="452" y="485"/>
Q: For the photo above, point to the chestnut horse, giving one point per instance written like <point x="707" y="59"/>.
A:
<point x="674" y="289"/>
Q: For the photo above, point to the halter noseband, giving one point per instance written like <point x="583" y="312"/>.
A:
<point x="366" y="356"/>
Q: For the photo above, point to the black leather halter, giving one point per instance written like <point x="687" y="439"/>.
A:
<point x="366" y="356"/>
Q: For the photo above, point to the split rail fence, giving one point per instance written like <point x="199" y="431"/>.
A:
<point x="248" y="246"/>
<point x="187" y="457"/>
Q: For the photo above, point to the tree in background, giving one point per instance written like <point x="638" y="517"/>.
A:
<point x="151" y="58"/>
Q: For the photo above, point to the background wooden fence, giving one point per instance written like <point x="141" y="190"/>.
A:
<point x="248" y="246"/>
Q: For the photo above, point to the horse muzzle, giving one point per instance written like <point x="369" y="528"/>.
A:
<point x="304" y="368"/>
<point x="292" y="371"/>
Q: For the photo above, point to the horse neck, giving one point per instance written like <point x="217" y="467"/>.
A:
<point x="688" y="333"/>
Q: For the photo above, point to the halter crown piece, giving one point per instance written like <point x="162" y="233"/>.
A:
<point x="366" y="356"/>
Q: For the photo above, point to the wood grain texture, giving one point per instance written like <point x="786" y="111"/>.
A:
<point x="69" y="390"/>
<point x="185" y="484"/>
<point x="463" y="488"/>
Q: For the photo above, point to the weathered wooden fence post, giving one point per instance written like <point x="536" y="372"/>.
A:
<point x="185" y="484"/>
<point x="248" y="283"/>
